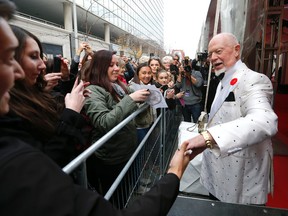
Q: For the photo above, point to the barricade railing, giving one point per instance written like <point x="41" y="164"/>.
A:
<point x="147" y="164"/>
<point x="131" y="160"/>
<point x="89" y="151"/>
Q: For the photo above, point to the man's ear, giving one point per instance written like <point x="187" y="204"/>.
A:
<point x="237" y="51"/>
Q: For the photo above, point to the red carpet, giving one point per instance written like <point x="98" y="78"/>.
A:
<point x="281" y="109"/>
<point x="280" y="196"/>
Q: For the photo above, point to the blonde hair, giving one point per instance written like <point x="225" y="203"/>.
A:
<point x="121" y="62"/>
<point x="167" y="59"/>
<point x="161" y="71"/>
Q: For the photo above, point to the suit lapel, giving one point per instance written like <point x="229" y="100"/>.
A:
<point x="222" y="94"/>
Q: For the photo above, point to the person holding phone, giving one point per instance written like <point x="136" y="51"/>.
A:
<point x="58" y="75"/>
<point x="145" y="119"/>
<point x="129" y="71"/>
<point x="32" y="184"/>
<point x="190" y="82"/>
<point x="169" y="92"/>
<point x="53" y="122"/>
<point x="83" y="54"/>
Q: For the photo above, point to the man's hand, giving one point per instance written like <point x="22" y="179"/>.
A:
<point x="196" y="145"/>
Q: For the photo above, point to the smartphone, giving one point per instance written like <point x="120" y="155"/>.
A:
<point x="57" y="64"/>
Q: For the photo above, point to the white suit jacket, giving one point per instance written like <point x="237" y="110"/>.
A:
<point x="238" y="170"/>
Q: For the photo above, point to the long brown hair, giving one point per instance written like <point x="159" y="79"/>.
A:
<point x="97" y="72"/>
<point x="31" y="102"/>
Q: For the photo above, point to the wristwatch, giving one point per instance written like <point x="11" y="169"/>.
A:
<point x="207" y="138"/>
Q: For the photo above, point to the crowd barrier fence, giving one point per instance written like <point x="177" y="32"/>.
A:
<point x="148" y="163"/>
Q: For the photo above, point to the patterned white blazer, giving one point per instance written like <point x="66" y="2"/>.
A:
<point x="238" y="169"/>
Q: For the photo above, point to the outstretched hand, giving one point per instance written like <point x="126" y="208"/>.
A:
<point x="76" y="99"/>
<point x="179" y="161"/>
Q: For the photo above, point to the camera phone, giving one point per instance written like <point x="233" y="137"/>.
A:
<point x="56" y="64"/>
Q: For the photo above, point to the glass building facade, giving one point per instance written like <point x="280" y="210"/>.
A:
<point x="144" y="19"/>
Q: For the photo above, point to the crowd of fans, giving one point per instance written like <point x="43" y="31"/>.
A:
<point x="77" y="104"/>
<point x="43" y="113"/>
<point x="58" y="100"/>
<point x="108" y="80"/>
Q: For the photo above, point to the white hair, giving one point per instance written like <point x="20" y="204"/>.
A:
<point x="143" y="59"/>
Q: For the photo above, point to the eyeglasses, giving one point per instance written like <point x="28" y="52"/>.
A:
<point x="176" y="59"/>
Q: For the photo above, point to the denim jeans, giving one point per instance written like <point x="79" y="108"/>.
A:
<point x="141" y="133"/>
<point x="194" y="110"/>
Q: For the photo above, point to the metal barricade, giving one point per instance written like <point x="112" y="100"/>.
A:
<point x="148" y="163"/>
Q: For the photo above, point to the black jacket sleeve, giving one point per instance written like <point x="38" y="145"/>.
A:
<point x="32" y="184"/>
<point x="65" y="87"/>
<point x="62" y="146"/>
<point x="74" y="67"/>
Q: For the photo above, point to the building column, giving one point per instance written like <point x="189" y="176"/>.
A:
<point x="67" y="10"/>
<point x="107" y="32"/>
<point x="70" y="24"/>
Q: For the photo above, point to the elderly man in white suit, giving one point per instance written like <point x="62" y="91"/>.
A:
<point x="237" y="160"/>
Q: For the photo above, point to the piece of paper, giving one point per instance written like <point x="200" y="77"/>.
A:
<point x="155" y="99"/>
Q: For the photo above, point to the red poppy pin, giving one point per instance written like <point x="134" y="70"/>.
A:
<point x="233" y="81"/>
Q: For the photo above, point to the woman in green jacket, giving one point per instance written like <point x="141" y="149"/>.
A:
<point x="110" y="103"/>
